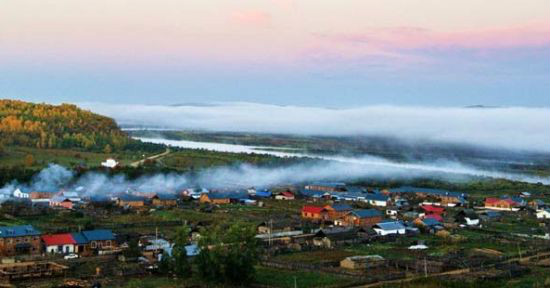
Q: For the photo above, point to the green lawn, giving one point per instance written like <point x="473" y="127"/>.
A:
<point x="15" y="156"/>
<point x="285" y="278"/>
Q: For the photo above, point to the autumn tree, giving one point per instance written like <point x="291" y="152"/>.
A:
<point x="62" y="126"/>
<point x="29" y="160"/>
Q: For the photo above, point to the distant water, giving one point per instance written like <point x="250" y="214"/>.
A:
<point x="222" y="147"/>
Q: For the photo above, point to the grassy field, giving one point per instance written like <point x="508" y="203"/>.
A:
<point x="15" y="156"/>
<point x="285" y="278"/>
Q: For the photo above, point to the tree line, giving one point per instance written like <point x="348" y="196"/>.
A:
<point x="58" y="126"/>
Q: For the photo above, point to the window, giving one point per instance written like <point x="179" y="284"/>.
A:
<point x="93" y="244"/>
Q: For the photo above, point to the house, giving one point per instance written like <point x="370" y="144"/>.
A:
<point x="19" y="240"/>
<point x="61" y="202"/>
<point x="434" y="216"/>
<point x="536" y="204"/>
<point x="80" y="245"/>
<point x="214" y="199"/>
<point x="336" y="211"/>
<point x="411" y="214"/>
<point x="506" y="204"/>
<point x="164" y="200"/>
<point x="445" y="198"/>
<point x="20" y="194"/>
<point x="327" y="186"/>
<point x="379" y="200"/>
<point x="262" y="194"/>
<point x="365" y="217"/>
<point x="429" y="223"/>
<point x="286" y="195"/>
<point x="270" y="227"/>
<point x="314" y="213"/>
<point x="430" y="209"/>
<point x="392" y="211"/>
<point x="389" y="228"/>
<point x="400" y="203"/>
<point x="525" y="194"/>
<point x="410" y="229"/>
<point x="490" y="215"/>
<point x="467" y="217"/>
<point x="362" y="262"/>
<point x="543" y="214"/>
<point x="41" y="197"/>
<point x="130" y="201"/>
<point x="334" y="237"/>
<point x="59" y="243"/>
<point x="96" y="242"/>
<point x="73" y="196"/>
<point x="110" y="163"/>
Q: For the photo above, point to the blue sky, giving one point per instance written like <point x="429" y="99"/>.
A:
<point x="310" y="53"/>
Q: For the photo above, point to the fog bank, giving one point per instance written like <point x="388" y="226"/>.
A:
<point x="516" y="128"/>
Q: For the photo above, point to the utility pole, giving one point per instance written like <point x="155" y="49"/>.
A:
<point x="519" y="252"/>
<point x="425" y="268"/>
<point x="270" y="230"/>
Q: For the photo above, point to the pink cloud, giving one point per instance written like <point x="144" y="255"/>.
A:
<point x="251" y="17"/>
<point x="532" y="35"/>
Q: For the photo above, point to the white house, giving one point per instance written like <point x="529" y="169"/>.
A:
<point x="59" y="243"/>
<point x="20" y="194"/>
<point x="109" y="163"/>
<point x="286" y="195"/>
<point x="543" y="214"/>
<point x="387" y="228"/>
<point x="471" y="221"/>
<point x="392" y="212"/>
<point x="377" y="199"/>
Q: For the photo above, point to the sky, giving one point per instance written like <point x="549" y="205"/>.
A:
<point x="308" y="53"/>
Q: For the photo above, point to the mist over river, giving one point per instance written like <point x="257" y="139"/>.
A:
<point x="361" y="166"/>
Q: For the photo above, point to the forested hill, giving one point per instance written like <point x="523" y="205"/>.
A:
<point x="58" y="126"/>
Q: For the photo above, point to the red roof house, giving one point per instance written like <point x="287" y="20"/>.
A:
<point x="501" y="204"/>
<point x="313" y="212"/>
<point x="59" y="243"/>
<point x="430" y="209"/>
<point x="285" y="195"/>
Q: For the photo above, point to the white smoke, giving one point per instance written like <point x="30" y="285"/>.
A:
<point x="516" y="128"/>
<point x="54" y="177"/>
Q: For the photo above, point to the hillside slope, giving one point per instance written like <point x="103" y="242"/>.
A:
<point x="62" y="126"/>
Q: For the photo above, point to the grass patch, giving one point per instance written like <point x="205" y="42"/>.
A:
<point x="285" y="278"/>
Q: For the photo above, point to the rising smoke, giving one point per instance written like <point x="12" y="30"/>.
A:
<point x="55" y="177"/>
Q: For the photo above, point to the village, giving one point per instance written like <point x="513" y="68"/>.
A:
<point x="374" y="235"/>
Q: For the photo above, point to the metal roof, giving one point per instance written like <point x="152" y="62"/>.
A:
<point x="79" y="238"/>
<point x="366" y="213"/>
<point x="98" y="235"/>
<point x="18" y="231"/>
<point x="394" y="225"/>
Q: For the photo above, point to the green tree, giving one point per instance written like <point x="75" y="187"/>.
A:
<point x="107" y="149"/>
<point x="166" y="264"/>
<point x="229" y="255"/>
<point x="182" y="267"/>
<point x="133" y="250"/>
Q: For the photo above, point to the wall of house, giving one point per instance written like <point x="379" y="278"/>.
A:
<point x="8" y="244"/>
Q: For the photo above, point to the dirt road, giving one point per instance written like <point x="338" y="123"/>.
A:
<point x="154" y="157"/>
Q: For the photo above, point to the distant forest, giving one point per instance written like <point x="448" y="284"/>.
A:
<point x="64" y="126"/>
